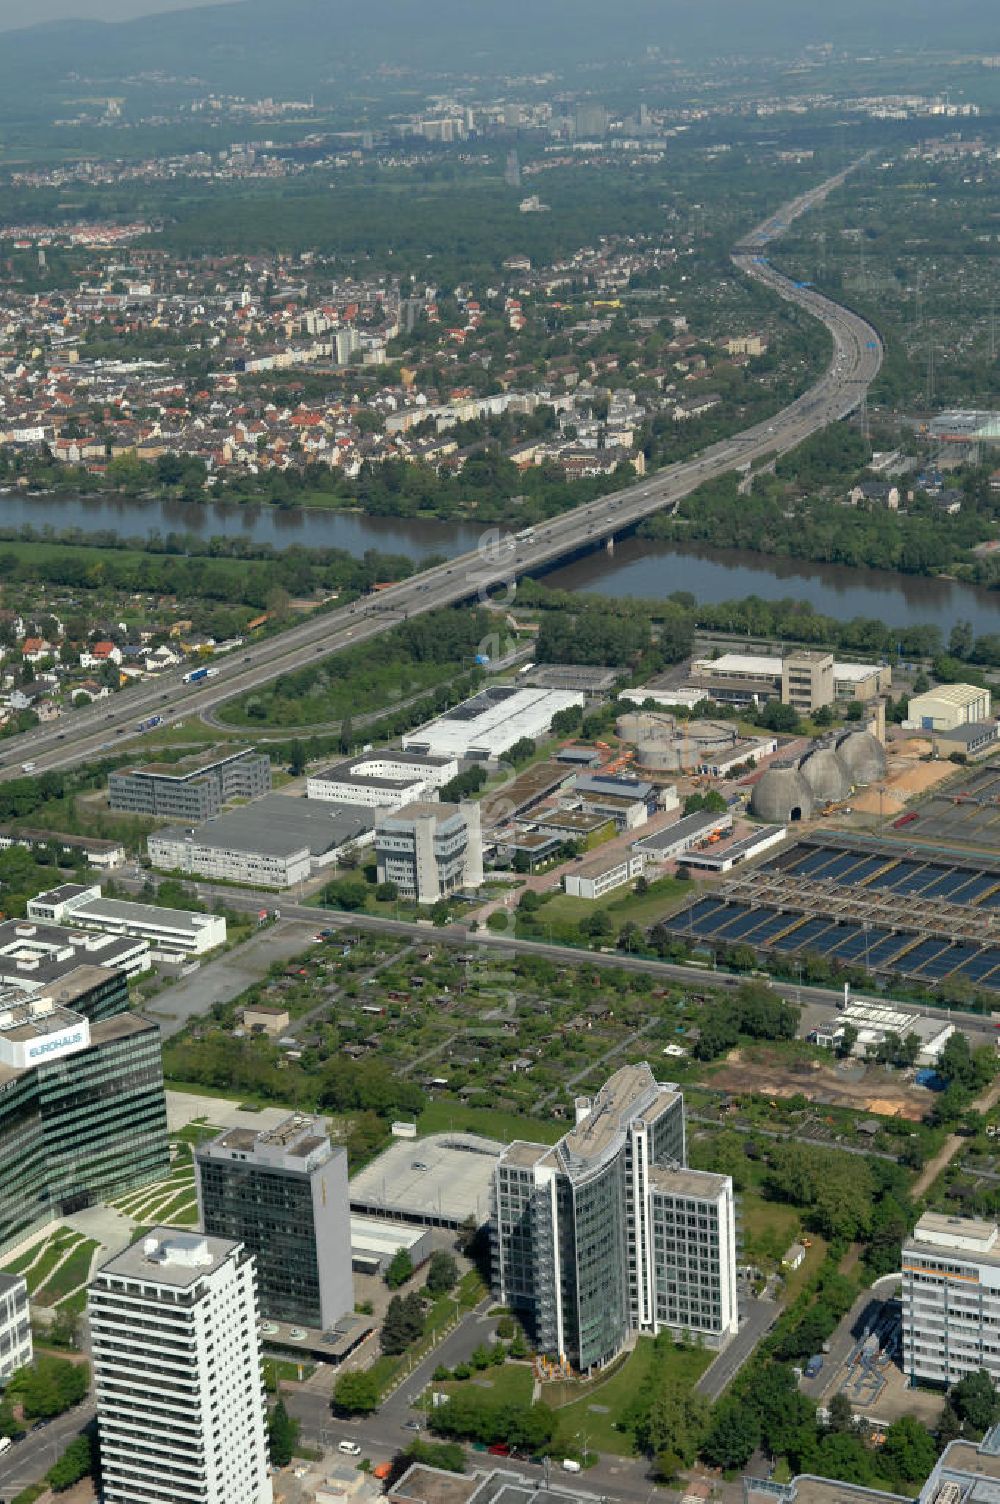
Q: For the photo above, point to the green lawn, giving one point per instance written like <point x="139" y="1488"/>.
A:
<point x="74" y="1272"/>
<point x="664" y="895"/>
<point x="181" y="1212"/>
<point x="510" y="1385"/>
<point x="592" y="1417"/>
<point x="768" y="1226"/>
<point x="47" y="1255"/>
<point x="451" y="1116"/>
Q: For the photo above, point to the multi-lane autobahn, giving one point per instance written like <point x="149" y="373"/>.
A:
<point x="502" y="557"/>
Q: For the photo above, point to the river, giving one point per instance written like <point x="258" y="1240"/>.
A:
<point x="312" y="527"/>
<point x="637" y="568"/>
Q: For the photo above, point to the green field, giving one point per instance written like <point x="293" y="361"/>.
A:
<point x="444" y="1117"/>
<point x="69" y="1276"/>
<point x="768" y="1226"/>
<point x="510" y="1385"/>
<point x="594" y="1415"/>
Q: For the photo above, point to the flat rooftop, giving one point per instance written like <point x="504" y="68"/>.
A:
<point x="188" y="767"/>
<point x="411" y="765"/>
<point x="33" y="1019"/>
<point x="42" y="953"/>
<point x="418" y="809"/>
<point x="688" y="826"/>
<point x="523" y="791"/>
<point x="279" y="825"/>
<point x="699" y="1184"/>
<point x="573" y="676"/>
<point x="168" y="1256"/>
<point x="437" y="1180"/>
<point x="372" y="1235"/>
<point x="123" y="911"/>
<point x="523" y="1155"/>
<point x="430" y="1485"/>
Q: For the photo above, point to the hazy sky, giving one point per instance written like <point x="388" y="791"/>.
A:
<point x="15" y="13"/>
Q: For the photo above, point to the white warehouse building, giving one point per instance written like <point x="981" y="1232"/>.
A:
<point x="382" y="780"/>
<point x="484" y="728"/>
<point x="169" y="931"/>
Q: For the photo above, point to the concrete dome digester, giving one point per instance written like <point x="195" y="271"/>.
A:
<point x="862" y="755"/>
<point x="782" y="795"/>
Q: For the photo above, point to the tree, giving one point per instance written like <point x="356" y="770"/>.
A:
<point x="297" y="759"/>
<point x="521" y="751"/>
<point x="440" y="913"/>
<point x="282" y="1435"/>
<point x="74" y="1464"/>
<point x="733" y="1437"/>
<point x="386" y="892"/>
<point x="399" y="1270"/>
<point x="442" y="1273"/>
<point x="403" y="1324"/>
<point x="909" y="1450"/>
<point x="975" y="1401"/>
<point x="356" y="1394"/>
<point x="949" y="1426"/>
<point x="841" y="1416"/>
<point x="777" y="717"/>
<point x="50" y="1386"/>
<point x="847" y="1040"/>
<point x="446" y="1455"/>
<point x="350" y="893"/>
<point x="676" y="1422"/>
<point x="961" y="641"/>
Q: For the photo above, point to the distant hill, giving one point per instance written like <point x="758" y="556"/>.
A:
<point x="297" y="45"/>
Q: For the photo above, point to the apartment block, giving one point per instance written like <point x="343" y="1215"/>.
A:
<point x="177" y="1373"/>
<point x="15" y="1325"/>
<point x="951" y="1299"/>
<point x="194" y="789"/>
<point x="607" y="1233"/>
<point x="283" y="1193"/>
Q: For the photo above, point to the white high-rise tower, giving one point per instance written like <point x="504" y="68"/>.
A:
<point x="177" y="1373"/>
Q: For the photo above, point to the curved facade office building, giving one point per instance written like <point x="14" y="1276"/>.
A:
<point x="608" y="1233"/>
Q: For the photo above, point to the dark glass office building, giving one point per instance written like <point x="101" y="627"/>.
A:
<point x="82" y="1110"/>
<point x="284" y="1193"/>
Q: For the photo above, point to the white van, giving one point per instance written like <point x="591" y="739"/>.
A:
<point x="5" y="1444"/>
<point x="570" y="1466"/>
<point x="349" y="1448"/>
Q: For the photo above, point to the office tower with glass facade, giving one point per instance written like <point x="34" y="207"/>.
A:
<point x="82" y="1109"/>
<point x="607" y="1233"/>
<point x="177" y="1373"/>
<point x="284" y="1193"/>
<point x="15" y="1325"/>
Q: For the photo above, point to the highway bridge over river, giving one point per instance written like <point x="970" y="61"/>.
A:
<point x="503" y="558"/>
